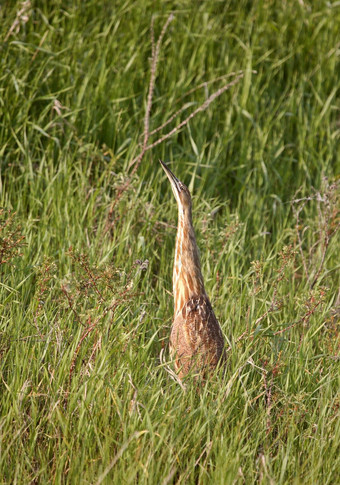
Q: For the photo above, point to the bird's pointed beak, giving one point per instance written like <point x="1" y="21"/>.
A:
<point x="175" y="183"/>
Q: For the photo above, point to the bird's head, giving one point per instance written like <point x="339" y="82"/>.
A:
<point x="181" y="191"/>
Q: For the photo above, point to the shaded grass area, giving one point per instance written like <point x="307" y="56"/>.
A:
<point x="86" y="308"/>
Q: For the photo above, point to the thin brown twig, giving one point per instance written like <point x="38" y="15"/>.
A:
<point x="155" y="58"/>
<point x="168" y="121"/>
<point x="135" y="163"/>
<point x="84" y="265"/>
<point x="22" y="16"/>
<point x="201" y="108"/>
<point x="154" y="61"/>
<point x="70" y="304"/>
<point x="188" y="105"/>
<point x="35" y="321"/>
<point x="152" y="35"/>
<point x="205" y="84"/>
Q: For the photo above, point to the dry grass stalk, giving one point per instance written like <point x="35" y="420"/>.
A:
<point x="154" y="62"/>
<point x="201" y="108"/>
<point x="22" y="17"/>
<point x="135" y="163"/>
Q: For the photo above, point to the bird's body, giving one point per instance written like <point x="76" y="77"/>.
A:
<point x="196" y="340"/>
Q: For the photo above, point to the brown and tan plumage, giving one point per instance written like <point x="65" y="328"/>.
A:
<point x="196" y="340"/>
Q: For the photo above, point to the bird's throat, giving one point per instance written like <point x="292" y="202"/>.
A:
<point x="187" y="275"/>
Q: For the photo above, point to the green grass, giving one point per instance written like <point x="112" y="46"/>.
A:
<point x="85" y="397"/>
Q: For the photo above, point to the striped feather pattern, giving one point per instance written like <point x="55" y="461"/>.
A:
<point x="196" y="340"/>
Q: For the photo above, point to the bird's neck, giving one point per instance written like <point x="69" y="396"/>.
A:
<point x="187" y="275"/>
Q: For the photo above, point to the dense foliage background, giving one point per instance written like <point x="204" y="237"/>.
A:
<point x="86" y="242"/>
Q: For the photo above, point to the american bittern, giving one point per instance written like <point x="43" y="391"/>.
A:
<point x="196" y="340"/>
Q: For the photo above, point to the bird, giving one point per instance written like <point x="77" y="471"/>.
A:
<point x="196" y="339"/>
